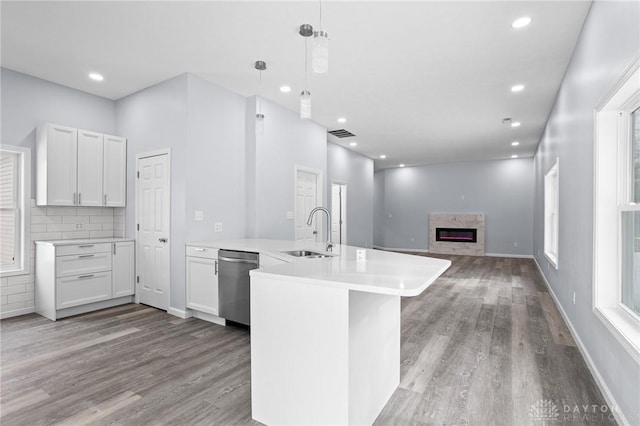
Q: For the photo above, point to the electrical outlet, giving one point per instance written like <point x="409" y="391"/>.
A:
<point x="290" y="215"/>
<point x="574" y="298"/>
<point x="515" y="244"/>
<point x="413" y="240"/>
<point x="217" y="227"/>
<point x="198" y="215"/>
<point x="79" y="226"/>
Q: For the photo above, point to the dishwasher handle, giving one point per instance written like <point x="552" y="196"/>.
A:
<point x="232" y="260"/>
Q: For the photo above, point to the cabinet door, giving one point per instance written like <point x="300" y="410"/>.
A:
<point x="123" y="273"/>
<point x="82" y="289"/>
<point x="59" y="180"/>
<point x="90" y="162"/>
<point x="202" y="284"/>
<point x="115" y="171"/>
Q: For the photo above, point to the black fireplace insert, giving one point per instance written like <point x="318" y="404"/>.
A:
<point x="457" y="235"/>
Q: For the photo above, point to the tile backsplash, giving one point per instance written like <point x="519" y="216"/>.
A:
<point x="56" y="223"/>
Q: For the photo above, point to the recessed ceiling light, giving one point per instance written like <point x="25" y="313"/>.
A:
<point x="95" y="76"/>
<point x="382" y="157"/>
<point x="517" y="88"/>
<point x="515" y="124"/>
<point x="353" y="144"/>
<point x="515" y="143"/>
<point x="514" y="156"/>
<point x="401" y="165"/>
<point x="285" y="89"/>
<point x="342" y="120"/>
<point x="521" y="22"/>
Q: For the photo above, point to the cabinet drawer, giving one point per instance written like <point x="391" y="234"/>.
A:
<point x="205" y="252"/>
<point x="82" y="289"/>
<point x="82" y="264"/>
<point x="83" y="249"/>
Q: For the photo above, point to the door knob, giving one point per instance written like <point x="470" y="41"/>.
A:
<point x="162" y="240"/>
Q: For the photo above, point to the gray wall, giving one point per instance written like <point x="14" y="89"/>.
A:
<point x="288" y="141"/>
<point x="153" y="119"/>
<point x="356" y="171"/>
<point x="28" y="102"/>
<point x="501" y="189"/>
<point x="609" y="41"/>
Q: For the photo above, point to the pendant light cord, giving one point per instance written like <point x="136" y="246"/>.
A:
<point x="320" y="16"/>
<point x="305" y="63"/>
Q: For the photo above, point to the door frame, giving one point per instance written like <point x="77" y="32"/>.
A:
<point x="319" y="194"/>
<point x="140" y="156"/>
<point x="343" y="227"/>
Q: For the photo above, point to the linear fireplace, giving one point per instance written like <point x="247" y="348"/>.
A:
<point x="457" y="235"/>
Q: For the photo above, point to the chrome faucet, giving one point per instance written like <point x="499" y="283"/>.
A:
<point x="329" y="243"/>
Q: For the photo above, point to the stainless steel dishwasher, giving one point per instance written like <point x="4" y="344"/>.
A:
<point x="233" y="284"/>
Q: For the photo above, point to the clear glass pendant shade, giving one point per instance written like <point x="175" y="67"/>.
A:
<point x="305" y="104"/>
<point x="320" y="53"/>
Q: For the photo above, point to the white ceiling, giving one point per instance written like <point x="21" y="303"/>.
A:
<point x="422" y="82"/>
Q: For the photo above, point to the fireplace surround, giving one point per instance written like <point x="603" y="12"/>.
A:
<point x="457" y="234"/>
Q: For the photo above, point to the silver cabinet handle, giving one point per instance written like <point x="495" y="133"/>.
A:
<point x="86" y="276"/>
<point x="74" y="198"/>
<point x="79" y="198"/>
<point x="86" y="245"/>
<point x="114" y="249"/>
<point x="163" y="240"/>
<point x="200" y="249"/>
<point x="85" y="255"/>
<point x="216" y="268"/>
<point x="233" y="260"/>
<point x="105" y="199"/>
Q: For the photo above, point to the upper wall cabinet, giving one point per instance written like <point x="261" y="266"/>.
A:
<point x="80" y="168"/>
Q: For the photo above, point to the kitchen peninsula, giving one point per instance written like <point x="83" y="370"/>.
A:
<point x="325" y="331"/>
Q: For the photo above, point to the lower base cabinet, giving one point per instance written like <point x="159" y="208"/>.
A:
<point x="202" y="279"/>
<point x="74" y="278"/>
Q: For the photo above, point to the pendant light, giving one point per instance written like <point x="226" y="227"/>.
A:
<point x="260" y="66"/>
<point x="320" y="52"/>
<point x="306" y="31"/>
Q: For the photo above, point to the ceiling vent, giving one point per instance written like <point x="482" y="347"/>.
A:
<point x="341" y="133"/>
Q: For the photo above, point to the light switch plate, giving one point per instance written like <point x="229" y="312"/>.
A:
<point x="198" y="215"/>
<point x="290" y="216"/>
<point x="217" y="227"/>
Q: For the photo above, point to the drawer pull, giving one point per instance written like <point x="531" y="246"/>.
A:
<point x="85" y="255"/>
<point x="200" y="249"/>
<point x="86" y="276"/>
<point x="86" y="245"/>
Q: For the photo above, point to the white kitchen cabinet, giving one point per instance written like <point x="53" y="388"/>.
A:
<point x="202" y="279"/>
<point x="124" y="269"/>
<point x="80" y="168"/>
<point x="73" y="277"/>
<point x="115" y="171"/>
<point x="57" y="156"/>
<point x="90" y="171"/>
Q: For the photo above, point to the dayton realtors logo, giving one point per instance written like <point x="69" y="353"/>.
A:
<point x="544" y="410"/>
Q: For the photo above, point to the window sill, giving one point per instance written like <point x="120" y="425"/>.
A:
<point x="624" y="326"/>
<point x="13" y="273"/>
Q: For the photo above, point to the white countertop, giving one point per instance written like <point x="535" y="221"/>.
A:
<point x="84" y="241"/>
<point x="383" y="272"/>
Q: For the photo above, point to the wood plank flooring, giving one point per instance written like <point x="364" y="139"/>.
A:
<point x="481" y="346"/>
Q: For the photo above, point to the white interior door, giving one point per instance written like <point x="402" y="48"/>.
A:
<point x="153" y="195"/>
<point x="308" y="196"/>
<point x="339" y="213"/>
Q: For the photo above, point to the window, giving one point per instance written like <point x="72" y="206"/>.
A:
<point x="551" y="201"/>
<point x="617" y="211"/>
<point x="15" y="195"/>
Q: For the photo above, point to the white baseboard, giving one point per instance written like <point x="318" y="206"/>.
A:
<point x="407" y="250"/>
<point x="604" y="389"/>
<point x="17" y="312"/>
<point x="518" y="256"/>
<point x="179" y="313"/>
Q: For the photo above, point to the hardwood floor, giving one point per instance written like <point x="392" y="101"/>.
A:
<point x="480" y="347"/>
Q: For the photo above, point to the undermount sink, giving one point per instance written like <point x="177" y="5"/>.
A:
<point x="306" y="253"/>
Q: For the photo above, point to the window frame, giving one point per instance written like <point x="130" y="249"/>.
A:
<point x="23" y="237"/>
<point x="612" y="197"/>
<point x="551" y="226"/>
